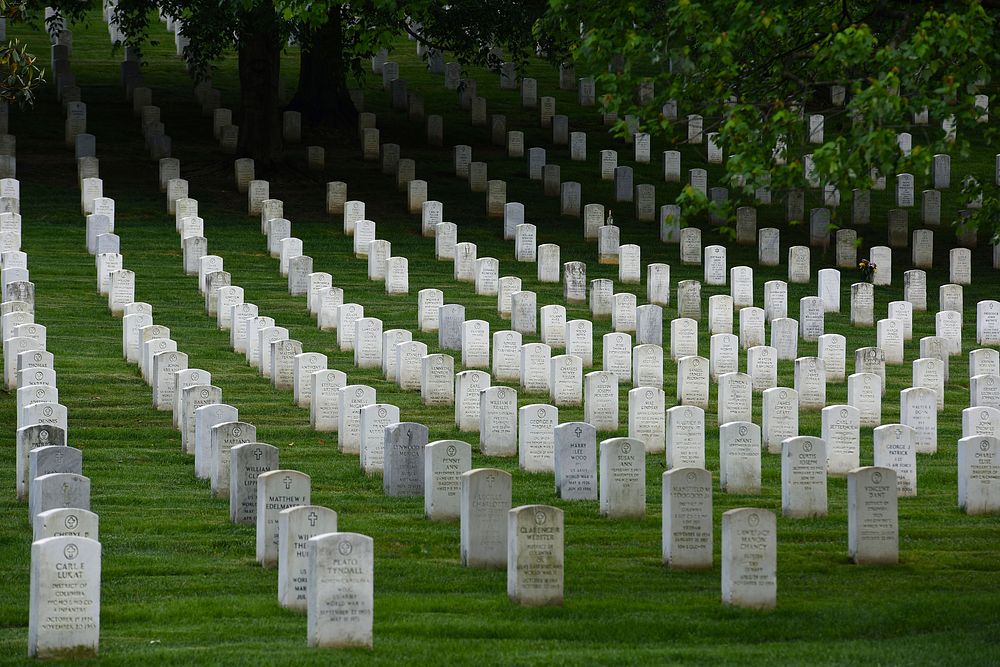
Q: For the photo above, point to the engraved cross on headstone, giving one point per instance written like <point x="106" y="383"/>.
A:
<point x="257" y="453"/>
<point x="288" y="482"/>
<point x="313" y="518"/>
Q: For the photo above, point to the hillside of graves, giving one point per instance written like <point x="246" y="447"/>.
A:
<point x="373" y="315"/>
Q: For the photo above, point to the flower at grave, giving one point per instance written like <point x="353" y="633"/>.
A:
<point x="868" y="269"/>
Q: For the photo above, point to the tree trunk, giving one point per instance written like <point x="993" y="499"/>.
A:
<point x="322" y="96"/>
<point x="259" y="64"/>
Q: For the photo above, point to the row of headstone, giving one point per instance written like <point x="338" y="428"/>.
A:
<point x="226" y="450"/>
<point x="65" y="574"/>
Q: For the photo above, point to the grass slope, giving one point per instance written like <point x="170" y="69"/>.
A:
<point x="180" y="583"/>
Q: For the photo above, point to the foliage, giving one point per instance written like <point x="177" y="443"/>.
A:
<point x="752" y="69"/>
<point x="20" y="76"/>
<point x="212" y="28"/>
<point x="474" y="32"/>
<point x="20" y="73"/>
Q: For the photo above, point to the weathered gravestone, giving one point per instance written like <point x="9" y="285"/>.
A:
<point x="404" y="459"/>
<point x="445" y="461"/>
<point x="340" y="595"/>
<point x="484" y="504"/>
<point x="979" y="475"/>
<point x="296" y="526"/>
<point x="803" y="477"/>
<point x="749" y="558"/>
<point x="687" y="518"/>
<point x="65" y="522"/>
<point x="277" y="490"/>
<point x="247" y="462"/>
<point x="872" y="516"/>
<point x="64" y="610"/>
<point x="535" y="555"/>
<point x="622" y="478"/>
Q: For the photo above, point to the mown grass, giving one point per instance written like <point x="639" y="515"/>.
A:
<point x="180" y="583"/>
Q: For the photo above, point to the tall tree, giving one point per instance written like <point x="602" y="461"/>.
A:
<point x="251" y="27"/>
<point x="752" y="68"/>
<point x="335" y="39"/>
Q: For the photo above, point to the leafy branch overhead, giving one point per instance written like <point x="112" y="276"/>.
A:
<point x="335" y="40"/>
<point x="21" y="76"/>
<point x="754" y="70"/>
<point x="20" y="73"/>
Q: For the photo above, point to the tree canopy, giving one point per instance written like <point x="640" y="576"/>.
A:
<point x="752" y="69"/>
<point x="336" y="40"/>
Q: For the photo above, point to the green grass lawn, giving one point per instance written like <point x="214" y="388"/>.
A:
<point x="180" y="582"/>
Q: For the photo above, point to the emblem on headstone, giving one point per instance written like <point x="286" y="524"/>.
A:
<point x="452" y="449"/>
<point x="540" y="518"/>
<point x="237" y="431"/>
<point x="71" y="551"/>
<point x="807" y="446"/>
<point x="984" y="445"/>
<point x="753" y="520"/>
<point x="345" y="548"/>
<point x="71" y="522"/>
